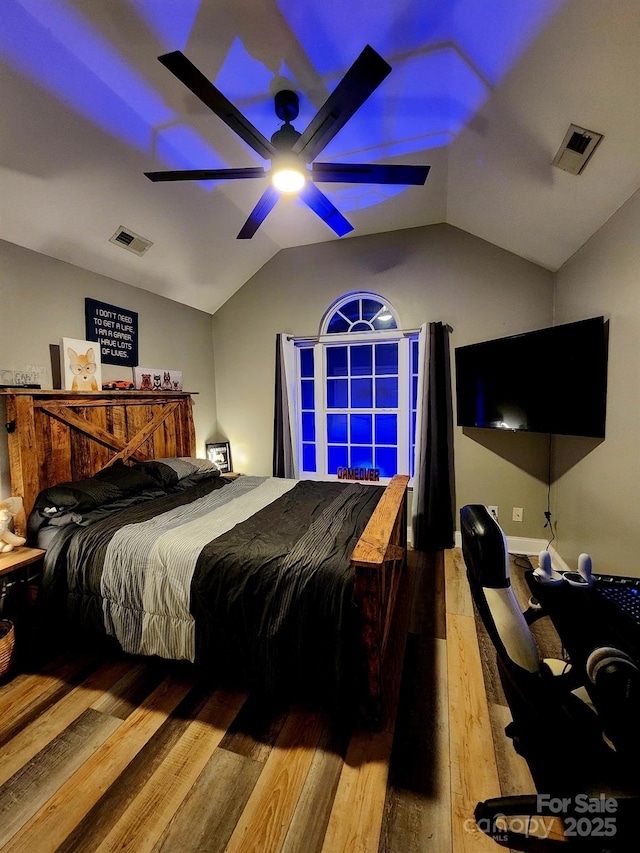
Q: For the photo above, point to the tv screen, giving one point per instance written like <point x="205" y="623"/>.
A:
<point x="552" y="380"/>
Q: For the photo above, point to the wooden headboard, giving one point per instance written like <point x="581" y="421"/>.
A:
<point x="57" y="436"/>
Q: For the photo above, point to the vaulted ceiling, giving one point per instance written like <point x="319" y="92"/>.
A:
<point x="482" y="90"/>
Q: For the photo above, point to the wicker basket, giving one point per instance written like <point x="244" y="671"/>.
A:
<point x="7" y="647"/>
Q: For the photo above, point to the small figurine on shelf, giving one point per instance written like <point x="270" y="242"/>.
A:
<point x="118" y="385"/>
<point x="8" y="508"/>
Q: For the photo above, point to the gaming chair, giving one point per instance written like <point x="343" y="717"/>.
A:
<point x="552" y="715"/>
<point x="555" y="725"/>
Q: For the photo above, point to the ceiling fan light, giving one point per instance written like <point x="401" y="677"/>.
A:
<point x="287" y="179"/>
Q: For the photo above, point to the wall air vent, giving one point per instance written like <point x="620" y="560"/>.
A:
<point x="130" y="240"/>
<point x="577" y="147"/>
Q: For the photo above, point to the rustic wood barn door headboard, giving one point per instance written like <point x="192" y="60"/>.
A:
<point x="57" y="436"/>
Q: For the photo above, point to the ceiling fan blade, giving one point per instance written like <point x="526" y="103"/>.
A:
<point x="207" y="174"/>
<point x="320" y="204"/>
<point x="363" y="78"/>
<point x="363" y="173"/>
<point x="213" y="98"/>
<point x="259" y="213"/>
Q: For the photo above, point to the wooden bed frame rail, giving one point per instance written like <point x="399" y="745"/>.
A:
<point x="59" y="436"/>
<point x="378" y="560"/>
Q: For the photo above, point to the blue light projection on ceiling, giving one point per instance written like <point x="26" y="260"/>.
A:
<point x="55" y="47"/>
<point x="250" y="90"/>
<point x="171" y="20"/>
<point x="447" y="57"/>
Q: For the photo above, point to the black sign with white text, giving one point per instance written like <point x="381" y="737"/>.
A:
<point x="116" y="329"/>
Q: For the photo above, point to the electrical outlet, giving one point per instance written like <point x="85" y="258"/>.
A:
<point x="517" y="513"/>
<point x="494" y="511"/>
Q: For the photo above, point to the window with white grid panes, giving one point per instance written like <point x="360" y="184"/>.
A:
<point x="362" y="407"/>
<point x="362" y="414"/>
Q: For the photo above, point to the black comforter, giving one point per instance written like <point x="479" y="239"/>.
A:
<point x="250" y="579"/>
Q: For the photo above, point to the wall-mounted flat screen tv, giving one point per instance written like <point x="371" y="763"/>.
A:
<point x="552" y="380"/>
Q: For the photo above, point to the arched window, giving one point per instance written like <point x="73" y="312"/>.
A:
<point x="360" y="312"/>
<point x="357" y="393"/>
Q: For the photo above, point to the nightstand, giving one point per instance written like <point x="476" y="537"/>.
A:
<point x="20" y="572"/>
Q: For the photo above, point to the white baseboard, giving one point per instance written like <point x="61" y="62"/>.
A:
<point x="530" y="547"/>
<point x="518" y="545"/>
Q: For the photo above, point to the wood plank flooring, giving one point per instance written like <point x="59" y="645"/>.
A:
<point x="139" y="755"/>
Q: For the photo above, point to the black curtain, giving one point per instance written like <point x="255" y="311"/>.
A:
<point x="282" y="447"/>
<point x="434" y="483"/>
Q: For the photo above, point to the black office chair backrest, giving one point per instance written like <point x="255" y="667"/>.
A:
<point x="484" y="542"/>
<point x="486" y="555"/>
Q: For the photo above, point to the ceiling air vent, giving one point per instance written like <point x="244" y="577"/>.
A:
<point x="130" y="240"/>
<point x="577" y="147"/>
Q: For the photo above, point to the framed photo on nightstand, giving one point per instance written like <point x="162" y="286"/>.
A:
<point x="220" y="453"/>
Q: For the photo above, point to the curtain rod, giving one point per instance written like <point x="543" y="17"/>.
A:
<point x="402" y="331"/>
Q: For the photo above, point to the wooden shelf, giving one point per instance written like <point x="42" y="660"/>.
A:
<point x="56" y="392"/>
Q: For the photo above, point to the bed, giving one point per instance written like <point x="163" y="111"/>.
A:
<point x="287" y="586"/>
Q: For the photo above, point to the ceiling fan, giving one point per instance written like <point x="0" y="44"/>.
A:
<point x="288" y="150"/>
